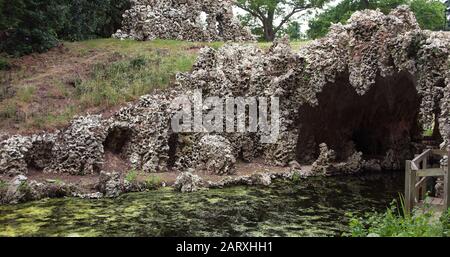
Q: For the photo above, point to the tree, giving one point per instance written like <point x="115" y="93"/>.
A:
<point x="429" y="13"/>
<point x="28" y="26"/>
<point x="293" y="30"/>
<point x="266" y="12"/>
<point x="447" y="14"/>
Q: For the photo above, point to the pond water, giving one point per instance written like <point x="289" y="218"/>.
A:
<point x="308" y="207"/>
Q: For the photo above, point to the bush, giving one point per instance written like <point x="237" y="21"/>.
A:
<point x="87" y="19"/>
<point x="4" y="65"/>
<point x="131" y="176"/>
<point x="28" y="26"/>
<point x="153" y="182"/>
<point x="393" y="223"/>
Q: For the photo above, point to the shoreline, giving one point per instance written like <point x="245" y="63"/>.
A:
<point x="37" y="186"/>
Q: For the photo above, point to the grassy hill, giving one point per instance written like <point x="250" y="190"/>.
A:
<point x="44" y="91"/>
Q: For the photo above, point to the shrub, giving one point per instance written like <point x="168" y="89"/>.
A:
<point x="28" y="26"/>
<point x="131" y="176"/>
<point x="394" y="223"/>
<point x="4" y="64"/>
<point x="153" y="182"/>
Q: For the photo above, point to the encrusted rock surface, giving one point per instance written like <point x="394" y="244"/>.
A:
<point x="78" y="150"/>
<point x="324" y="163"/>
<point x="193" y="20"/>
<point x="216" y="155"/>
<point x="110" y="184"/>
<point x="21" y="189"/>
<point x="187" y="182"/>
<point x="372" y="52"/>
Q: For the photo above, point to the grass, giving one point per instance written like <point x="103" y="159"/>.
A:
<point x="153" y="182"/>
<point x="126" y="80"/>
<point x="136" y="68"/>
<point x="3" y="185"/>
<point x="8" y="109"/>
<point x="131" y="176"/>
<point x="25" y="93"/>
<point x="44" y="120"/>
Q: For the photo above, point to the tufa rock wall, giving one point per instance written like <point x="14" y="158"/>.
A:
<point x="365" y="90"/>
<point x="192" y="20"/>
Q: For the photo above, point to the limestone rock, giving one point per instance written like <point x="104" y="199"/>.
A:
<point x="390" y="161"/>
<point x="192" y="20"/>
<point x="444" y="161"/>
<point x="353" y="164"/>
<point x="18" y="190"/>
<point x="187" y="182"/>
<point x="262" y="179"/>
<point x="370" y="57"/>
<point x="78" y="149"/>
<point x="110" y="184"/>
<point x="216" y="155"/>
<point x="324" y="163"/>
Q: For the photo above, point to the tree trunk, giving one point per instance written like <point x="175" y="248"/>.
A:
<point x="269" y="33"/>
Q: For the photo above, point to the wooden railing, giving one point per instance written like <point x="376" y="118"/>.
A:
<point x="417" y="174"/>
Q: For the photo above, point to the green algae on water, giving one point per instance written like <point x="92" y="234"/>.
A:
<point x="308" y="207"/>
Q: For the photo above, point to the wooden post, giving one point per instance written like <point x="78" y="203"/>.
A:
<point x="447" y="184"/>
<point x="423" y="187"/>
<point x="410" y="187"/>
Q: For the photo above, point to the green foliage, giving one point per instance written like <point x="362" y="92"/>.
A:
<point x="153" y="182"/>
<point x="394" y="223"/>
<point x="4" y="65"/>
<point x="293" y="31"/>
<point x="28" y="26"/>
<point x="3" y="185"/>
<point x="262" y="14"/>
<point x="429" y="13"/>
<point x="296" y="177"/>
<point x="126" y="80"/>
<point x="131" y="176"/>
<point x="428" y="132"/>
<point x="25" y="93"/>
<point x="8" y="110"/>
<point x="87" y="19"/>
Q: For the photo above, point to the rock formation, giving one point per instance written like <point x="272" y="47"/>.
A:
<point x="187" y="182"/>
<point x="192" y="20"/>
<point x="366" y="90"/>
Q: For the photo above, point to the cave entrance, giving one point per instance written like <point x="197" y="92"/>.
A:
<point x="384" y="118"/>
<point x="116" y="140"/>
<point x="115" y="146"/>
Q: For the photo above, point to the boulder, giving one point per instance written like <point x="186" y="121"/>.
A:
<point x="110" y="184"/>
<point x="187" y="182"/>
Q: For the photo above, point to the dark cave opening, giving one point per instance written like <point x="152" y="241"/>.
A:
<point x="173" y="144"/>
<point x="116" y="140"/>
<point x="384" y="118"/>
<point x="39" y="155"/>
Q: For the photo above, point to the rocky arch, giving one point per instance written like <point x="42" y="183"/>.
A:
<point x="385" y="117"/>
<point x="117" y="139"/>
<point x="40" y="154"/>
